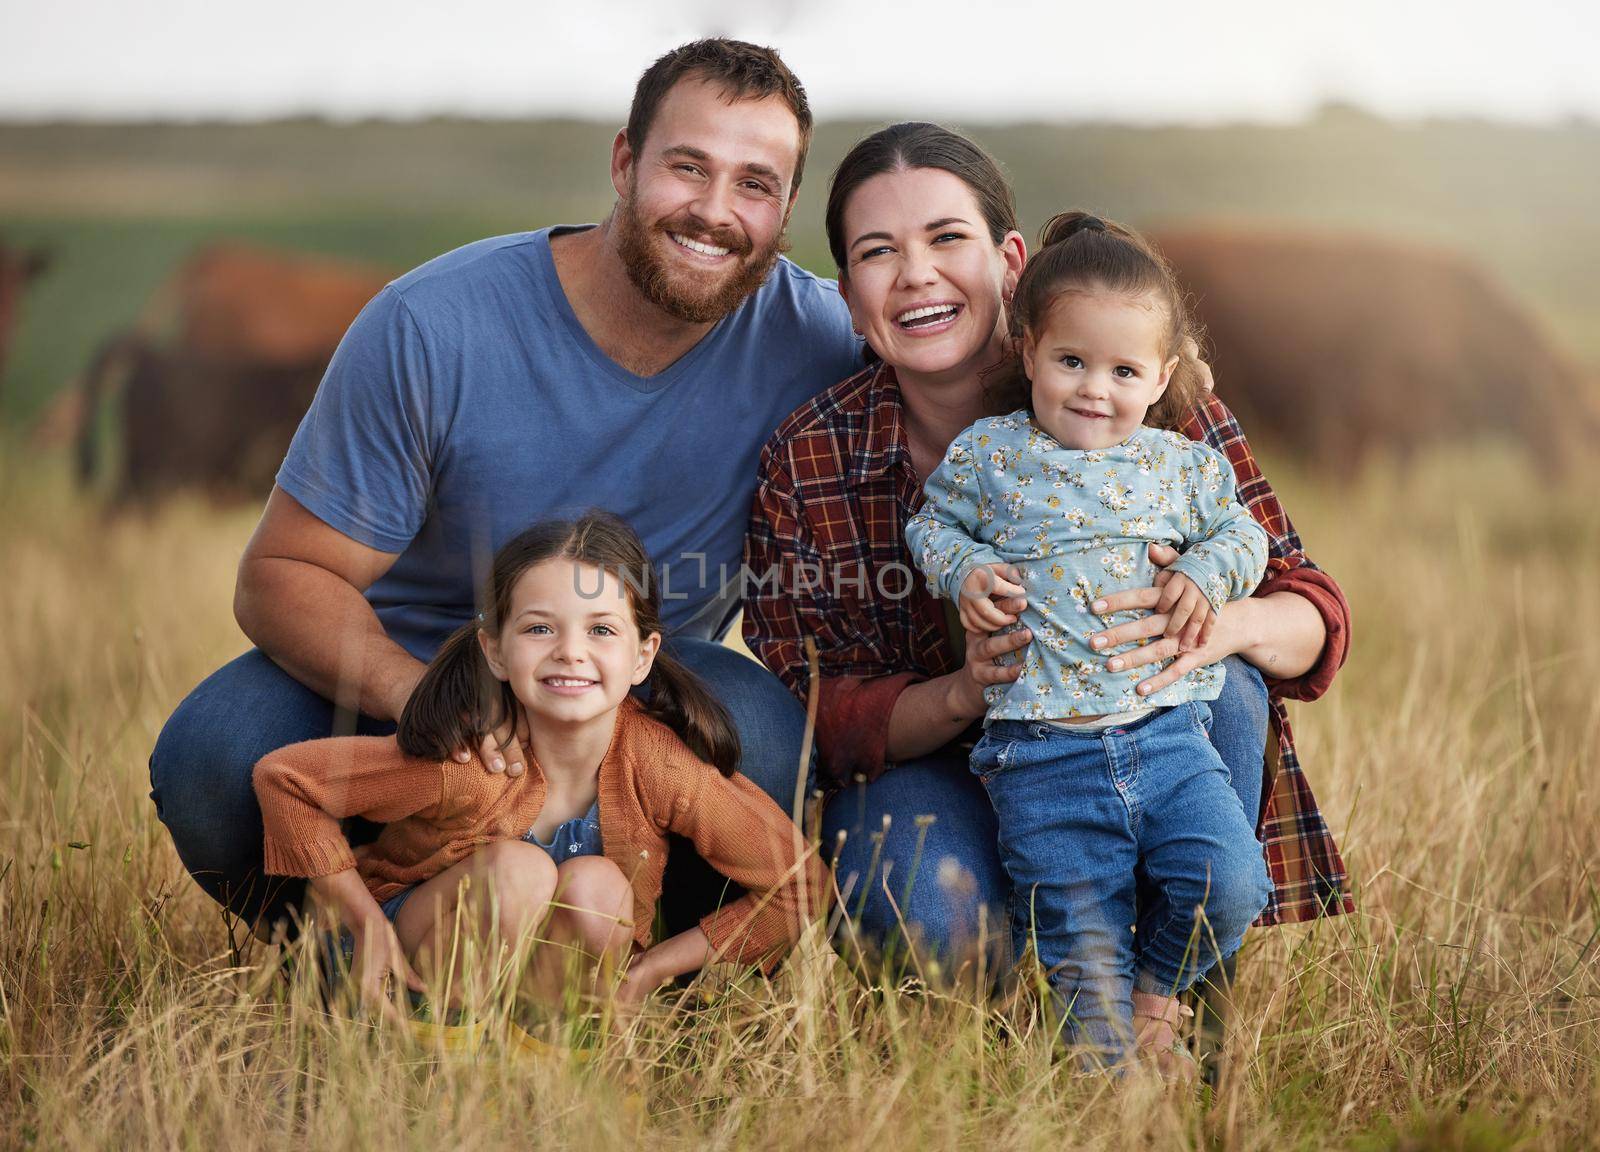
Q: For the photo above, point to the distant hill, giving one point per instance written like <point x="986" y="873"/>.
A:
<point x="123" y="202"/>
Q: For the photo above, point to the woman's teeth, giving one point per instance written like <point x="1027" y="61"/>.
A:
<point x="922" y="317"/>
<point x="696" y="246"/>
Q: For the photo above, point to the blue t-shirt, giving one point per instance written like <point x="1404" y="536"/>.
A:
<point x="467" y="402"/>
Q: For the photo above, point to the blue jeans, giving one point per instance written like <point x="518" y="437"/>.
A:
<point x="1079" y="814"/>
<point x="201" y="767"/>
<point x="935" y="878"/>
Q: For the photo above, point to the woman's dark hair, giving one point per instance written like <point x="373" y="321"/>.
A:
<point x="458" y="701"/>
<point x="1081" y="252"/>
<point x="915" y="144"/>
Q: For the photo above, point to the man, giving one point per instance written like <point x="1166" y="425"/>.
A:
<point x="636" y="366"/>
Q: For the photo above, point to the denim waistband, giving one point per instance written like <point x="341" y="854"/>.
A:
<point x="1039" y="730"/>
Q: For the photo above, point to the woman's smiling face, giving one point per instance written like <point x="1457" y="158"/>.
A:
<point x="924" y="281"/>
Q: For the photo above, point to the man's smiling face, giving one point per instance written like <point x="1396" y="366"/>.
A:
<point x="704" y="203"/>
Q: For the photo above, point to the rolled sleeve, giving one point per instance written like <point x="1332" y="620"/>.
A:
<point x="1324" y="594"/>
<point x="853" y="723"/>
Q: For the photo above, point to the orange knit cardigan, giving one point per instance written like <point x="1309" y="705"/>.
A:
<point x="436" y="813"/>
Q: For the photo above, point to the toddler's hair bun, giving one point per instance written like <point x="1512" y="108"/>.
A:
<point x="1065" y="225"/>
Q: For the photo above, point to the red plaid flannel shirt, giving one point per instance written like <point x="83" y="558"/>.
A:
<point x="827" y="552"/>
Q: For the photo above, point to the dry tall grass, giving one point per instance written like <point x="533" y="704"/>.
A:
<point x="1455" y="760"/>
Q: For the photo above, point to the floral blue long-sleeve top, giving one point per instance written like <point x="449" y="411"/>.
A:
<point x="1078" y="524"/>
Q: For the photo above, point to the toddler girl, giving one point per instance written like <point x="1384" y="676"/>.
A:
<point x="1058" y="503"/>
<point x="574" y="849"/>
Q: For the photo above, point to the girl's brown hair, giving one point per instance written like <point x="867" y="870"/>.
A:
<point x="459" y="701"/>
<point x="1080" y="252"/>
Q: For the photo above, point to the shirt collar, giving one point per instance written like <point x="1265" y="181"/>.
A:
<point x="885" y="427"/>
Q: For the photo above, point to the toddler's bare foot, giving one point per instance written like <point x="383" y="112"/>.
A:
<point x="1156" y="1020"/>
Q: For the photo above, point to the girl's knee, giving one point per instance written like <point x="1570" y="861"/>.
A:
<point x="593" y="883"/>
<point x="595" y="901"/>
<point x="519" y="878"/>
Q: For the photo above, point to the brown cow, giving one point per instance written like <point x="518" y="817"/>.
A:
<point x="238" y="303"/>
<point x="18" y="269"/>
<point x="214" y="402"/>
<point x="1333" y="347"/>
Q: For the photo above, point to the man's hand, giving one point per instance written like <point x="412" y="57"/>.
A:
<point x="501" y="750"/>
<point x="983" y="590"/>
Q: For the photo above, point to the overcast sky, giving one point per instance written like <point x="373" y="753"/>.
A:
<point x="1163" y="60"/>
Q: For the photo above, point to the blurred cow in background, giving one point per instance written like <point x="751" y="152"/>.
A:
<point x="1332" y="347"/>
<point x="18" y="269"/>
<point x="214" y="379"/>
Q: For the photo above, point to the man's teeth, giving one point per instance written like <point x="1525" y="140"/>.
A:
<point x="932" y="314"/>
<point x="696" y="246"/>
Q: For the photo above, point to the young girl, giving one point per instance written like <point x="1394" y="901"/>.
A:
<point x="574" y="849"/>
<point x="1046" y="511"/>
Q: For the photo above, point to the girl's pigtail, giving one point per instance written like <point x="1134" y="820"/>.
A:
<point x="457" y="702"/>
<point x="680" y="700"/>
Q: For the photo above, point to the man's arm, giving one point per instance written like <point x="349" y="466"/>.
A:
<point x="299" y="599"/>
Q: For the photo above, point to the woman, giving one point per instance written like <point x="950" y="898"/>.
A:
<point x="923" y="230"/>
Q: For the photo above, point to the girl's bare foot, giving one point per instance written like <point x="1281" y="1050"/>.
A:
<point x="1156" y="1020"/>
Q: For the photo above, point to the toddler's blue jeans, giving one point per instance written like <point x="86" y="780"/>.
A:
<point x="1083" y="816"/>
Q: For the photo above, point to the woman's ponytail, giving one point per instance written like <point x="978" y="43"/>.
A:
<point x="679" y="699"/>
<point x="457" y="702"/>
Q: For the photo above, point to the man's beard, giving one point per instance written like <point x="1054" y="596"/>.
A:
<point x="683" y="297"/>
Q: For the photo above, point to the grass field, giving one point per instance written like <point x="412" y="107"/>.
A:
<point x="1455" y="759"/>
<point x="1460" y="1008"/>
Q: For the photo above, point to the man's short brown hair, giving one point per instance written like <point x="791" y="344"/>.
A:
<point x="745" y="71"/>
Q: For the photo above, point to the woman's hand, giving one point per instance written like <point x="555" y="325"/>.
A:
<point x="981" y="669"/>
<point x="501" y="750"/>
<point x="1226" y="637"/>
